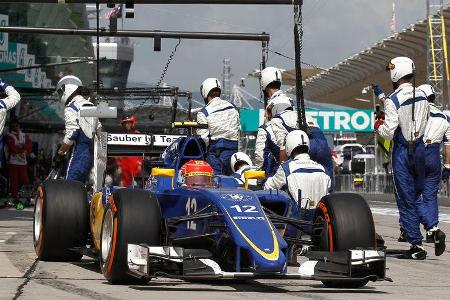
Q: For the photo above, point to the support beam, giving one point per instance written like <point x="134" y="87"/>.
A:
<point x="210" y="2"/>
<point x="142" y="33"/>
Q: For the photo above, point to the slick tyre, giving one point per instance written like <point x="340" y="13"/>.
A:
<point x="132" y="216"/>
<point x="347" y="224"/>
<point x="61" y="220"/>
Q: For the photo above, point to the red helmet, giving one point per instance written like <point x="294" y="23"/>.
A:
<point x="129" y="118"/>
<point x="196" y="173"/>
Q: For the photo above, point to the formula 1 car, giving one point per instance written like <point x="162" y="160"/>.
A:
<point x="218" y="232"/>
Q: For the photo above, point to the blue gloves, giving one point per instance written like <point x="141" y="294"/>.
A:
<point x="378" y="92"/>
<point x="445" y="174"/>
<point x="3" y="85"/>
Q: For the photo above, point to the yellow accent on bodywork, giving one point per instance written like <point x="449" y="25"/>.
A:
<point x="269" y="256"/>
<point x="164" y="172"/>
<point x="96" y="218"/>
<point x="253" y="174"/>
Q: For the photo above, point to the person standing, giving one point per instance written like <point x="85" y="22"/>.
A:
<point x="131" y="167"/>
<point x="437" y="127"/>
<point x="406" y="113"/>
<point x="222" y="134"/>
<point x="79" y="131"/>
<point x="19" y="148"/>
<point x="6" y="104"/>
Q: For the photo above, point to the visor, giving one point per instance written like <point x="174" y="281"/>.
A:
<point x="199" y="180"/>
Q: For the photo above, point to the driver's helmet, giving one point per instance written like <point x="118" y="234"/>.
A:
<point x="128" y="118"/>
<point x="196" y="173"/>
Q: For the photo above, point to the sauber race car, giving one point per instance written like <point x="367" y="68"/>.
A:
<point x="222" y="231"/>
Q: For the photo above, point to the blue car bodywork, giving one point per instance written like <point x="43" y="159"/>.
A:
<point x="231" y="219"/>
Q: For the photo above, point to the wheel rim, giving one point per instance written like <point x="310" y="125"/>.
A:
<point x="107" y="234"/>
<point x="37" y="220"/>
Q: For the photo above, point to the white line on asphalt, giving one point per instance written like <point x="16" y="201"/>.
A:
<point x="387" y="211"/>
<point x="2" y="241"/>
<point x="10" y="233"/>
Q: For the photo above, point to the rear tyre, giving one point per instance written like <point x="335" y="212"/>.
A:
<point x="348" y="224"/>
<point x="61" y="220"/>
<point x="132" y="216"/>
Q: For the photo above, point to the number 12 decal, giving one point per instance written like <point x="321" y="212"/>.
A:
<point x="245" y="208"/>
<point x="191" y="207"/>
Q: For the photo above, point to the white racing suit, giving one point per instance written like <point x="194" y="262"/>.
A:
<point x="318" y="148"/>
<point x="79" y="132"/>
<point x="267" y="152"/>
<point x="13" y="97"/>
<point x="408" y="154"/>
<point x="437" y="127"/>
<point x="239" y="176"/>
<point x="304" y="179"/>
<point x="222" y="135"/>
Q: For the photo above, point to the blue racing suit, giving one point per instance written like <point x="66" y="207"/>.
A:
<point x="437" y="127"/>
<point x="319" y="150"/>
<point x="408" y="154"/>
<point x="79" y="132"/>
<point x="222" y="135"/>
<point x="267" y="152"/>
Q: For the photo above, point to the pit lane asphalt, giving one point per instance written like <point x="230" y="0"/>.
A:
<point x="24" y="277"/>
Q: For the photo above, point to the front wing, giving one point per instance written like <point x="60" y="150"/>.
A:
<point x="176" y="262"/>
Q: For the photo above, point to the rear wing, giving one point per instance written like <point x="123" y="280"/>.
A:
<point x="125" y="144"/>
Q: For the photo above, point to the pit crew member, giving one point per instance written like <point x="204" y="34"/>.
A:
<point x="304" y="179"/>
<point x="284" y="120"/>
<point x="131" y="167"/>
<point x="437" y="127"/>
<point x="267" y="152"/>
<point x="79" y="131"/>
<point x="222" y="134"/>
<point x="406" y="113"/>
<point x="11" y="100"/>
<point x="241" y="162"/>
<point x="196" y="173"/>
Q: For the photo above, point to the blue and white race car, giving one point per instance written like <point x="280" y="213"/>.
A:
<point x="218" y="232"/>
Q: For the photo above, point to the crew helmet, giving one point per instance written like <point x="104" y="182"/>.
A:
<point x="269" y="75"/>
<point x="295" y="139"/>
<point x="196" y="173"/>
<point x="428" y="90"/>
<point x="400" y="67"/>
<point x="239" y="157"/>
<point x="66" y="86"/>
<point x="128" y="118"/>
<point x="208" y="85"/>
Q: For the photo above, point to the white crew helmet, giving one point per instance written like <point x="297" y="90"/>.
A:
<point x="239" y="157"/>
<point x="427" y="89"/>
<point x="295" y="139"/>
<point x="400" y="67"/>
<point x="208" y="85"/>
<point x="67" y="86"/>
<point x="269" y="75"/>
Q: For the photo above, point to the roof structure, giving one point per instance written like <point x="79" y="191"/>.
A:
<point x="343" y="83"/>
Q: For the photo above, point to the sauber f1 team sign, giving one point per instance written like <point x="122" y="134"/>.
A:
<point x="124" y="139"/>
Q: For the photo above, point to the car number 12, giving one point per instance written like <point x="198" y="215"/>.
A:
<point x="191" y="207"/>
<point x="245" y="208"/>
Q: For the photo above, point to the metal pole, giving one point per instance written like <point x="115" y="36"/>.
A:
<point x="142" y="33"/>
<point x="375" y="140"/>
<point x="97" y="5"/>
<point x="211" y="2"/>
<point x="46" y="65"/>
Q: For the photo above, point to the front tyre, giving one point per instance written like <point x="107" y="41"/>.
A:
<point x="347" y="224"/>
<point x="132" y="216"/>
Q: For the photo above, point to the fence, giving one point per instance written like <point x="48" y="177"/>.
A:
<point x="374" y="184"/>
